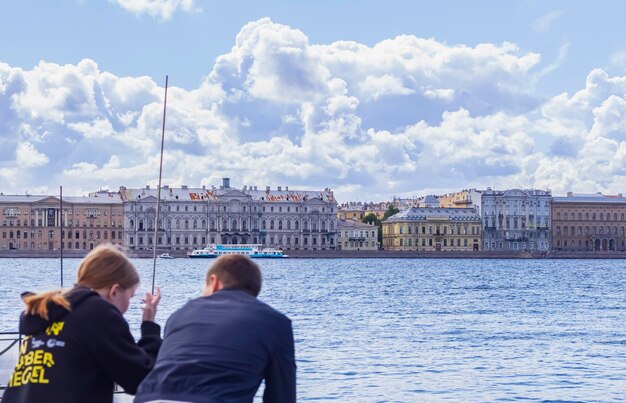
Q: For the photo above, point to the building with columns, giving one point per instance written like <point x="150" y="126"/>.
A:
<point x="190" y="218"/>
<point x="38" y="223"/>
<point x="588" y="222"/>
<point x="516" y="220"/>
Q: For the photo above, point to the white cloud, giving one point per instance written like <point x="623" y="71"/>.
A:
<point x="554" y="65"/>
<point x="375" y="87"/>
<point x="162" y="9"/>
<point x="440" y="93"/>
<point x="618" y="58"/>
<point x="543" y="23"/>
<point x="403" y="115"/>
<point x="28" y="156"/>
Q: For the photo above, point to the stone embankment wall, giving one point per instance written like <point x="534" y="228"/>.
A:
<point x="306" y="254"/>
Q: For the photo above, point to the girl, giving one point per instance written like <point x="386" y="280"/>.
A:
<point x="76" y="343"/>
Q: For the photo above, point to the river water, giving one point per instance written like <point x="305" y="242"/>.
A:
<point x="407" y="330"/>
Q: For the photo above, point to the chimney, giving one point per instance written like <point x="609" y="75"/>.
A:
<point x="286" y="188"/>
<point x="225" y="183"/>
<point x="245" y="188"/>
<point x="166" y="187"/>
<point x="267" y="188"/>
<point x="203" y="187"/>
<point x="147" y="186"/>
<point x="279" y="188"/>
<point x="184" y="187"/>
<point x="256" y="188"/>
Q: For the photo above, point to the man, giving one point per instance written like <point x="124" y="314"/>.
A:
<point x="218" y="348"/>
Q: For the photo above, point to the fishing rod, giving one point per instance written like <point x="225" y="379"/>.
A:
<point x="158" y="206"/>
<point x="62" y="226"/>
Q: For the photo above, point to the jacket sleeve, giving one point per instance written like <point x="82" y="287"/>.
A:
<point x="280" y="374"/>
<point x="117" y="354"/>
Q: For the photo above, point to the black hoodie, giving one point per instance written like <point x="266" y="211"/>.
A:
<point x="77" y="355"/>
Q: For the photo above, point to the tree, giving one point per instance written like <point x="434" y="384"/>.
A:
<point x="391" y="210"/>
<point x="371" y="218"/>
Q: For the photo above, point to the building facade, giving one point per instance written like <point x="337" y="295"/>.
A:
<point x="588" y="223"/>
<point x="433" y="229"/>
<point x="468" y="198"/>
<point x="516" y="220"/>
<point x="190" y="218"/>
<point x="377" y="209"/>
<point x="356" y="235"/>
<point x="37" y="223"/>
<point x="351" y="211"/>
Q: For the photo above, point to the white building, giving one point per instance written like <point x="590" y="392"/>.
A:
<point x="516" y="219"/>
<point x="192" y="217"/>
<point x="357" y="235"/>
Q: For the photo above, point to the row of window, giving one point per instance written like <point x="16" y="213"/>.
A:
<point x="601" y="216"/>
<point x="226" y="208"/>
<point x="597" y="245"/>
<point x="234" y="225"/>
<point x="359" y="233"/>
<point x="40" y="245"/>
<point x="433" y="230"/>
<point x="40" y="223"/>
<point x="518" y="203"/>
<point x="516" y="245"/>
<point x="515" y="223"/>
<point x="513" y="234"/>
<point x="15" y="211"/>
<point x="353" y="244"/>
<point x="226" y="240"/>
<point x="445" y="242"/>
<point x="588" y="230"/>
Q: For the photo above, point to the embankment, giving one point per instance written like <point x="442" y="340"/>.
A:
<point x="334" y="254"/>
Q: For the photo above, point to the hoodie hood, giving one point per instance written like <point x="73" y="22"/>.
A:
<point x="35" y="324"/>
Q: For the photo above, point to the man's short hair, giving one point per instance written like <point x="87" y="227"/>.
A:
<point x="237" y="271"/>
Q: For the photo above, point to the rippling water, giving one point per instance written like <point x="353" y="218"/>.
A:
<point x="407" y="330"/>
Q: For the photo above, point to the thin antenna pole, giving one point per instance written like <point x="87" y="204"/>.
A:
<point x="62" y="237"/>
<point x="156" y="219"/>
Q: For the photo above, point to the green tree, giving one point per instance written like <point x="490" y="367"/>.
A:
<point x="391" y="210"/>
<point x="371" y="218"/>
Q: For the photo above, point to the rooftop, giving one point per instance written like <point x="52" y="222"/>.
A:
<point x="353" y="224"/>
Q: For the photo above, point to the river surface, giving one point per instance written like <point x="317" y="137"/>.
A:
<point x="409" y="330"/>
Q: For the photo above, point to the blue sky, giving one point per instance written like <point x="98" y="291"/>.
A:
<point x="368" y="98"/>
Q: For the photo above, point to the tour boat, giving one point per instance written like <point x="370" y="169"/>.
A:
<point x="252" y="250"/>
<point x="166" y="256"/>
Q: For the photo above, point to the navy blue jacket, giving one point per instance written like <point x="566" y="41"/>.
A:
<point x="76" y="355"/>
<point x="219" y="348"/>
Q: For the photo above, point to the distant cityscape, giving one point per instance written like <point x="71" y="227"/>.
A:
<point x="511" y="220"/>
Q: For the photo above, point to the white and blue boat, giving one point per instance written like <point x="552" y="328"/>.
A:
<point x="251" y="250"/>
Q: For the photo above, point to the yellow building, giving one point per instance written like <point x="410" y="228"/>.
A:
<point x="463" y="199"/>
<point x="351" y="211"/>
<point x="37" y="223"/>
<point x="433" y="229"/>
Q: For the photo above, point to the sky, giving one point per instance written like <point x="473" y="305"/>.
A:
<point x="370" y="99"/>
